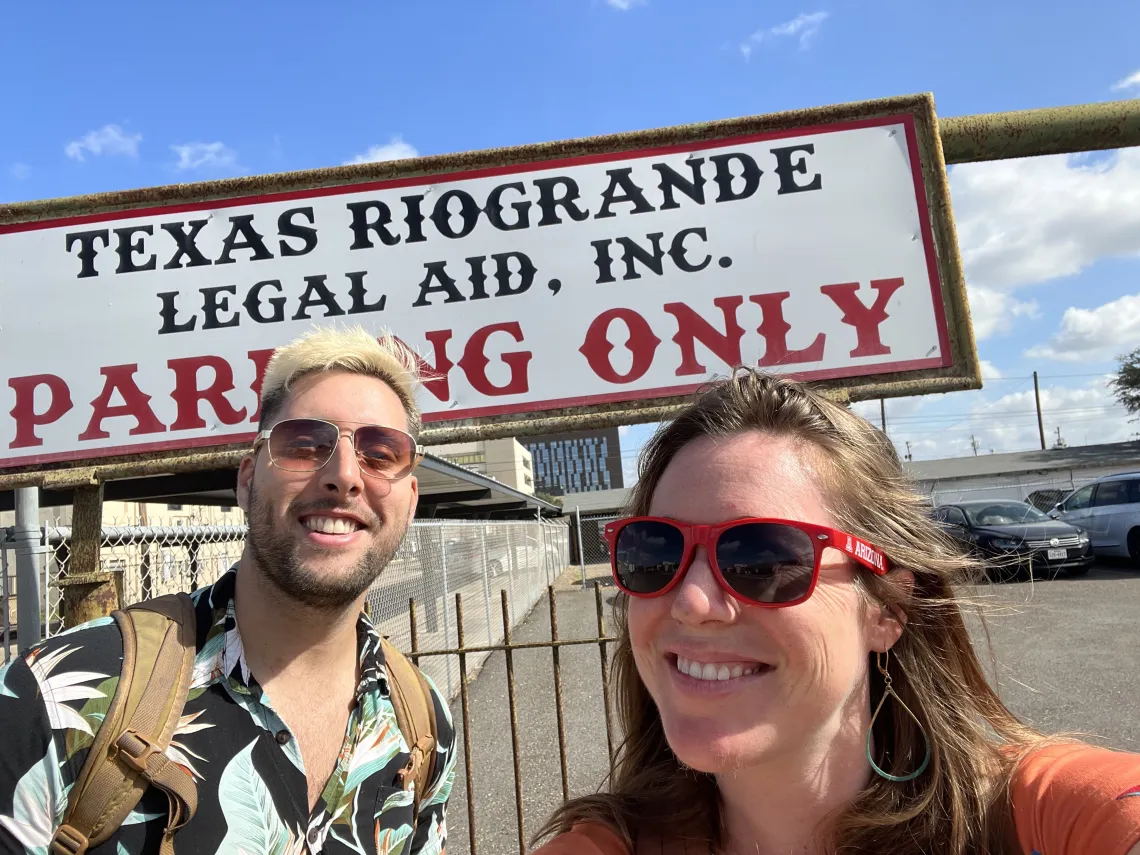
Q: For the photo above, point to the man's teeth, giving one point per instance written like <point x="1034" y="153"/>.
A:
<point x="330" y="525"/>
<point x="708" y="671"/>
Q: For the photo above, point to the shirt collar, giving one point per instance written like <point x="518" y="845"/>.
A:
<point x="228" y="655"/>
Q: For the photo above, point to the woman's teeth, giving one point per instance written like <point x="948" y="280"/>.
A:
<point x="330" y="525"/>
<point x="709" y="671"/>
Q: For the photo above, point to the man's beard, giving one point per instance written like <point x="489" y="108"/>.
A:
<point x="278" y="556"/>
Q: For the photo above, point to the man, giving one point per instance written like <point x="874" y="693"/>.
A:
<point x="289" y="731"/>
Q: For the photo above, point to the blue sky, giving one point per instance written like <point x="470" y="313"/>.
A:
<point x="118" y="95"/>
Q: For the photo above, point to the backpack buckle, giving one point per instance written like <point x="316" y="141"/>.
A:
<point x="68" y="841"/>
<point x="135" y="750"/>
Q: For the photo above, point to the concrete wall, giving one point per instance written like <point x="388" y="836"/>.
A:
<point x="509" y="462"/>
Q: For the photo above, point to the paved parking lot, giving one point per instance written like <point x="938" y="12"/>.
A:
<point x="1066" y="657"/>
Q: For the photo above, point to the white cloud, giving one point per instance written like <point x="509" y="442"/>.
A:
<point x="1093" y="335"/>
<point x="395" y="149"/>
<point x="1087" y="415"/>
<point x="20" y="171"/>
<point x="625" y="5"/>
<point x="210" y="156"/>
<point x="989" y="370"/>
<point x="805" y="26"/>
<point x="993" y="312"/>
<point x="1026" y="221"/>
<point x="1129" y="82"/>
<point x="942" y="425"/>
<point x="109" y="139"/>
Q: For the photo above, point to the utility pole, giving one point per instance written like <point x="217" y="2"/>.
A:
<point x="908" y="454"/>
<point x="1060" y="440"/>
<point x="974" y="444"/>
<point x="883" y="413"/>
<point x="1037" y="397"/>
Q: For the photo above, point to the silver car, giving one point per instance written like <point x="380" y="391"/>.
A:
<point x="1109" y="510"/>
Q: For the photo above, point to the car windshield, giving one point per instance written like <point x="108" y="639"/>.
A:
<point x="1003" y="513"/>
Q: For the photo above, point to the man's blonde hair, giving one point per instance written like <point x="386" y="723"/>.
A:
<point x="354" y="350"/>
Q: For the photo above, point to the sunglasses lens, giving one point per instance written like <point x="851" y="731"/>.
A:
<point x="385" y="452"/>
<point x="647" y="556"/>
<point x="302" y="445"/>
<point x="767" y="562"/>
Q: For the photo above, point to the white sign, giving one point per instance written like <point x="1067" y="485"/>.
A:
<point x="609" y="278"/>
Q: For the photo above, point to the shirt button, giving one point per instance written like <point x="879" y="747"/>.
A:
<point x="314" y="836"/>
<point x="283" y="737"/>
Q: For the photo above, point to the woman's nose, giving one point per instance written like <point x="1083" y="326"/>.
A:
<point x="698" y="597"/>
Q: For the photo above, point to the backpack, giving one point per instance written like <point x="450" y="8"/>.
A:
<point x="127" y="756"/>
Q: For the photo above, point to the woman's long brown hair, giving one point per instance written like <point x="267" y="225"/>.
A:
<point x="960" y="805"/>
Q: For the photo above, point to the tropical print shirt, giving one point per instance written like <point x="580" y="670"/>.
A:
<point x="252" y="792"/>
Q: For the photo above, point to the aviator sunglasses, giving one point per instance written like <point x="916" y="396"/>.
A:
<point x="306" y="445"/>
<point x="761" y="562"/>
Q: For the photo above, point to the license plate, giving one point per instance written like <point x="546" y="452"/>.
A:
<point x="1057" y="554"/>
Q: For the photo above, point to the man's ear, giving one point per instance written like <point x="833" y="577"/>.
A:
<point x="244" y="479"/>
<point x="885" y="624"/>
<point x="415" y="484"/>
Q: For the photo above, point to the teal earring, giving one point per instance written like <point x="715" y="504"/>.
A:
<point x="882" y="661"/>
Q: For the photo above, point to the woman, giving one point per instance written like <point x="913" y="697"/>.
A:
<point x="793" y="671"/>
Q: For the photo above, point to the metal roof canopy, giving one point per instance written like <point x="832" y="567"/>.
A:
<point x="447" y="491"/>
<point x="1115" y="454"/>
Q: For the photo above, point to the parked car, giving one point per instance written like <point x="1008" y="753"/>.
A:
<point x="1109" y="510"/>
<point x="528" y="553"/>
<point x="1020" y="539"/>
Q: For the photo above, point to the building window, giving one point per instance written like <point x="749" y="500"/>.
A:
<point x="174" y="507"/>
<point x="466" y="459"/>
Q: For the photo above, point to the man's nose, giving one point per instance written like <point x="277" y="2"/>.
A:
<point x="342" y="472"/>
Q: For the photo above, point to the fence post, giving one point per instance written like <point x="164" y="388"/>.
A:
<point x="26" y="535"/>
<point x="7" y="620"/>
<point x="88" y="593"/>
<point x="581" y="549"/>
<point x="446" y="621"/>
<point x="486" y="580"/>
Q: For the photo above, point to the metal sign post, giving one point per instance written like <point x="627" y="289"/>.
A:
<point x="29" y="628"/>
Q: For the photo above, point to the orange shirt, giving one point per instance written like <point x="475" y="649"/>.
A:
<point x="1067" y="800"/>
<point x="1077" y="800"/>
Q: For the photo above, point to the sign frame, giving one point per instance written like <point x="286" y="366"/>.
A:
<point x="962" y="372"/>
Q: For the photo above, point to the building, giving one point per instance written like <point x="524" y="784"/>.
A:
<point x="505" y="460"/>
<point x="576" y="462"/>
<point x="1039" y="477"/>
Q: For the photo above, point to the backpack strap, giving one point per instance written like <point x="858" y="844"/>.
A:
<point x="415" y="714"/>
<point x="127" y="756"/>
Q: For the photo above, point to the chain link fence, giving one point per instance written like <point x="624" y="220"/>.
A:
<point x="1042" y="493"/>
<point x="436" y="561"/>
<point x="595" y="550"/>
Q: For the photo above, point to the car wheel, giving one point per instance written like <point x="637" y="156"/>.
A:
<point x="1134" y="547"/>
<point x="495" y="566"/>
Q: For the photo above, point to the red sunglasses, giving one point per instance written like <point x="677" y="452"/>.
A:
<point x="762" y="562"/>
